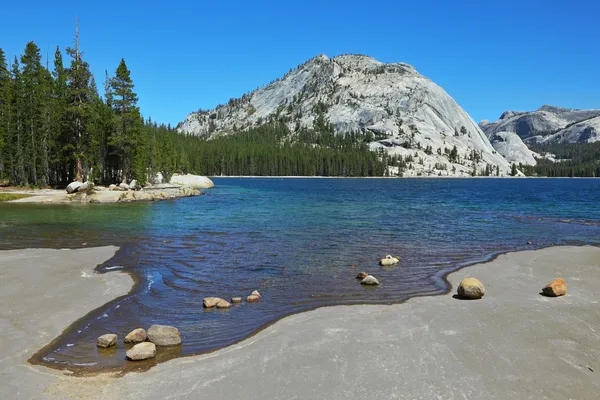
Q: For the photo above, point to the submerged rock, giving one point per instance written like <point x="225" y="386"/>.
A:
<point x="361" y="275"/>
<point x="253" y="298"/>
<point x="108" y="340"/>
<point x="141" y="351"/>
<point x="73" y="187"/>
<point x="471" y="288"/>
<point x="164" y="335"/>
<point x="369" y="280"/>
<point x="556" y="288"/>
<point x="388" y="260"/>
<point x="136" y="336"/>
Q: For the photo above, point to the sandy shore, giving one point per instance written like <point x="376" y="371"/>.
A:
<point x="513" y="343"/>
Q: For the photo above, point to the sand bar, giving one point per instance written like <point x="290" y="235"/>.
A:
<point x="513" y="343"/>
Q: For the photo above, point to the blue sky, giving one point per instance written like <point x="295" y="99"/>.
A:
<point x="185" y="55"/>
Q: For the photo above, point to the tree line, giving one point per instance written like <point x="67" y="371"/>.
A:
<point x="572" y="160"/>
<point x="55" y="128"/>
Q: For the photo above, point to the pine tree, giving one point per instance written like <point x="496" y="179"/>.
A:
<point x="4" y="109"/>
<point x="78" y="109"/>
<point x="128" y="139"/>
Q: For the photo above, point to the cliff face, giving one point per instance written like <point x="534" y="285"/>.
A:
<point x="549" y="124"/>
<point x="402" y="111"/>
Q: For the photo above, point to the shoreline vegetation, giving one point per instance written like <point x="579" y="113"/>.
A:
<point x="523" y="314"/>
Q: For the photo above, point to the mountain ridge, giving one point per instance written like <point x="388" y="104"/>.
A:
<point x="398" y="110"/>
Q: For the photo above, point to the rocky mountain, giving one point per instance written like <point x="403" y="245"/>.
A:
<point x="548" y="124"/>
<point x="398" y="111"/>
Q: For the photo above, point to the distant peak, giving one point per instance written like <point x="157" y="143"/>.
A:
<point x="554" y="109"/>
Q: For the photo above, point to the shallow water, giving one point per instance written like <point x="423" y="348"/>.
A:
<point x="300" y="242"/>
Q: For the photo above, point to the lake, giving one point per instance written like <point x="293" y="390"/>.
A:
<point x="300" y="242"/>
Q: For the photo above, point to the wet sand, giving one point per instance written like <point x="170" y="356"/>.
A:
<point x="513" y="343"/>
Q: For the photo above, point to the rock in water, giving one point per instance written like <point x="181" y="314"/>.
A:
<point x="388" y="260"/>
<point x="210" y="302"/>
<point x="361" y="275"/>
<point x="164" y="335"/>
<point x="556" y="288"/>
<point x="141" y="351"/>
<point x="236" y="299"/>
<point x="369" y="280"/>
<point x="193" y="181"/>
<point x="471" y="288"/>
<point x="223" y="304"/>
<point x="256" y="293"/>
<point x="253" y="298"/>
<point x="136" y="336"/>
<point x="73" y="187"/>
<point x="110" y="339"/>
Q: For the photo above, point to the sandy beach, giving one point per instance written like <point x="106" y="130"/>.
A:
<point x="513" y="343"/>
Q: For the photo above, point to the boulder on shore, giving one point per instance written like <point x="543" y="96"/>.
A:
<point x="471" y="288"/>
<point x="86" y="187"/>
<point x="134" y="185"/>
<point x="108" y="340"/>
<point x="556" y="288"/>
<point x="136" y="336"/>
<point x="192" y="181"/>
<point x="164" y="335"/>
<point x="73" y="187"/>
<point x="124" y="186"/>
<point x="361" y="275"/>
<point x="369" y="280"/>
<point x="141" y="351"/>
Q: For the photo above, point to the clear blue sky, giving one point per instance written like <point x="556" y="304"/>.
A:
<point x="185" y="55"/>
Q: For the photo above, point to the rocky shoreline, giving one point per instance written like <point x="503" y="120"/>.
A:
<point x="86" y="193"/>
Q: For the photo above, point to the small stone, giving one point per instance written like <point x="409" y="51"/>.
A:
<point x="223" y="304"/>
<point x="164" y="335"/>
<point x="556" y="288"/>
<point x="369" y="280"/>
<point x="136" y="336"/>
<point x="256" y="293"/>
<point x="110" y="339"/>
<point x="236" y="300"/>
<point x="141" y="351"/>
<point x="471" y="288"/>
<point x="529" y="242"/>
<point x="361" y="275"/>
<point x="210" y="302"/>
<point x="253" y="298"/>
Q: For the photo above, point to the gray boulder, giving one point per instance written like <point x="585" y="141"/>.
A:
<point x="108" y="340"/>
<point x="86" y="187"/>
<point x="136" y="336"/>
<point x="134" y="185"/>
<point x="123" y="185"/>
<point x="141" y="351"/>
<point x="73" y="187"/>
<point x="164" y="335"/>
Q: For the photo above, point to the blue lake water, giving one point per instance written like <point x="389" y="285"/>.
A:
<point x="300" y="242"/>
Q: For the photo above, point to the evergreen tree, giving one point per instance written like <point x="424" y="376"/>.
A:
<point x="4" y="112"/>
<point x="128" y="139"/>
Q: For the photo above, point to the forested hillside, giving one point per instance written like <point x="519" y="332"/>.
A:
<point x="572" y="160"/>
<point x="55" y="127"/>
